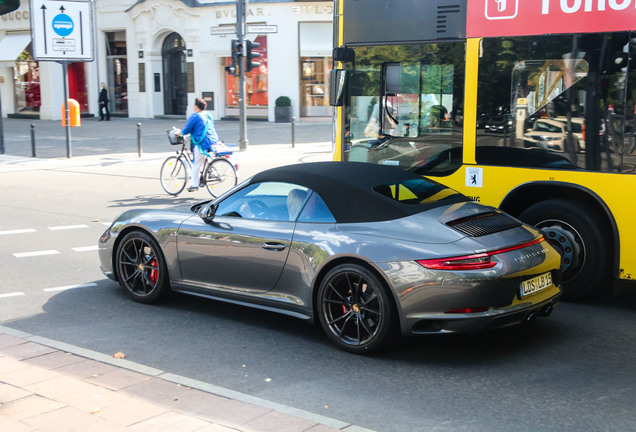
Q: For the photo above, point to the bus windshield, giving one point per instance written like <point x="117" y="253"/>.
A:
<point x="404" y="102"/>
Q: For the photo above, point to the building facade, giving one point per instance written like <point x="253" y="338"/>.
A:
<point x="156" y="56"/>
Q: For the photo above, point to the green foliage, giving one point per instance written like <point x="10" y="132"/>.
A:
<point x="283" y="101"/>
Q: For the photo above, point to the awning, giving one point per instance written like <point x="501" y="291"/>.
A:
<point x="12" y="45"/>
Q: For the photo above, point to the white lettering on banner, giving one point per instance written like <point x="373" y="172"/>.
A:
<point x="573" y="6"/>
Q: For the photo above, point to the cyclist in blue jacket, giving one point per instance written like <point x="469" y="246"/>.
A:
<point x="203" y="137"/>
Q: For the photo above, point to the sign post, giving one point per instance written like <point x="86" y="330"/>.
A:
<point x="62" y="31"/>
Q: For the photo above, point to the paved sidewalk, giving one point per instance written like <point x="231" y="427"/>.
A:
<point x="121" y="135"/>
<point x="50" y="386"/>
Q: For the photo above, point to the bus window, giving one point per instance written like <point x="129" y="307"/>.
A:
<point x="565" y="96"/>
<point x="404" y="103"/>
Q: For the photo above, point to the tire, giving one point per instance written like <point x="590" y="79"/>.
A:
<point x="174" y="175"/>
<point x="581" y="235"/>
<point x="220" y="177"/>
<point x="141" y="268"/>
<point x="355" y="310"/>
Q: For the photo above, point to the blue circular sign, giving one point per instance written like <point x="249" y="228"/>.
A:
<point x="63" y="25"/>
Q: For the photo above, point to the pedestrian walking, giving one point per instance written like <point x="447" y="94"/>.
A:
<point x="103" y="103"/>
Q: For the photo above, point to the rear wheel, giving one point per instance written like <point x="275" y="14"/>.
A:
<point x="174" y="175"/>
<point x="220" y="177"/>
<point x="581" y="234"/>
<point x="141" y="268"/>
<point x="355" y="310"/>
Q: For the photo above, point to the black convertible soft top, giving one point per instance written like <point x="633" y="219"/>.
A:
<point x="348" y="189"/>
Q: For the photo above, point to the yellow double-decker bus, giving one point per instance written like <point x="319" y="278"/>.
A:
<point x="527" y="105"/>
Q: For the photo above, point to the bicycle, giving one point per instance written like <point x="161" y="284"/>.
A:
<point x="218" y="174"/>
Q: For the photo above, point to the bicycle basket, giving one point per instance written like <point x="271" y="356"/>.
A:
<point x="173" y="138"/>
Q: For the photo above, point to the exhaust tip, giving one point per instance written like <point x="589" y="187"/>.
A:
<point x="547" y="310"/>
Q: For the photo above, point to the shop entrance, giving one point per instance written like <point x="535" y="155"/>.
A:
<point x="175" y="77"/>
<point x="314" y="100"/>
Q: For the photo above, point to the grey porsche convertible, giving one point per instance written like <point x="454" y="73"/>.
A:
<point x="369" y="252"/>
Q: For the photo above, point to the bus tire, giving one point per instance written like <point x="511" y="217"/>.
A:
<point x="580" y="234"/>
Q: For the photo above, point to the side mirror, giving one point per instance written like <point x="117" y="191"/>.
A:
<point x="337" y="83"/>
<point x="207" y="212"/>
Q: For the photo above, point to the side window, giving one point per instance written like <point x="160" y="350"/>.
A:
<point x="558" y="101"/>
<point x="274" y="201"/>
<point x="315" y="210"/>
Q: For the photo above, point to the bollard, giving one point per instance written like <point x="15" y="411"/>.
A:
<point x="139" y="139"/>
<point x="33" y="152"/>
<point x="293" y="131"/>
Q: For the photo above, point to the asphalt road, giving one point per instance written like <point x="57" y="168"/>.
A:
<point x="569" y="372"/>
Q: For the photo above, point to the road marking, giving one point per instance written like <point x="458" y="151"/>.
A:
<point x="68" y="287"/>
<point x="20" y="231"/>
<point x="67" y="227"/>
<point x="13" y="294"/>
<point x="36" y="253"/>
<point x="85" y="248"/>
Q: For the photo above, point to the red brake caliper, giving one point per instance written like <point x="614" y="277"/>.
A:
<point x="154" y="273"/>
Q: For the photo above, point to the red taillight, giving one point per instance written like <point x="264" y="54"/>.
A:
<point x="469" y="262"/>
<point x="472" y="262"/>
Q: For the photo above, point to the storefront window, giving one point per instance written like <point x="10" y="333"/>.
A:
<point x="255" y="80"/>
<point x="117" y="65"/>
<point x="77" y="84"/>
<point x="314" y="79"/>
<point x="27" y="83"/>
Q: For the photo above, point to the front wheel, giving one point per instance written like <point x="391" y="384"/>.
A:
<point x="355" y="310"/>
<point x="220" y="177"/>
<point x="141" y="268"/>
<point x="580" y="233"/>
<point x="174" y="175"/>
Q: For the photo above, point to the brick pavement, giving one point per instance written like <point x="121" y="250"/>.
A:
<point x="49" y="386"/>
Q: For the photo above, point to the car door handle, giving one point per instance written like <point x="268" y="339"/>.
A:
<point x="273" y="246"/>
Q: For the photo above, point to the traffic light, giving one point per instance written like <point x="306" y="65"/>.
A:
<point x="250" y="55"/>
<point x="7" y="6"/>
<point x="237" y="55"/>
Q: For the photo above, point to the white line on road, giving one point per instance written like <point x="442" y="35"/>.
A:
<point x="36" y="253"/>
<point x="85" y="248"/>
<point x="19" y="231"/>
<point x="13" y="294"/>
<point x="68" y="287"/>
<point x="67" y="227"/>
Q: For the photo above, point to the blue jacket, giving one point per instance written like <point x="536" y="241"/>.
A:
<point x="196" y="126"/>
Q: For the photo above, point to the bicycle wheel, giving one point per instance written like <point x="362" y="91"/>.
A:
<point x="174" y="175"/>
<point x="220" y="177"/>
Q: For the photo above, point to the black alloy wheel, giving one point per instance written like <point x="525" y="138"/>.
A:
<point x="141" y="268"/>
<point x="355" y="310"/>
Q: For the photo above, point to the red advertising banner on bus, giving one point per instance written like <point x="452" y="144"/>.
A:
<point x="533" y="17"/>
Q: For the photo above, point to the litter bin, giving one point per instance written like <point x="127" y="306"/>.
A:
<point x="74" y="113"/>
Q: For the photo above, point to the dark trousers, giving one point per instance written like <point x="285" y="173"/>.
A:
<point x="102" y="107"/>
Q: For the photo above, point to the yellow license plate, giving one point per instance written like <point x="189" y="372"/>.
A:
<point x="536" y="284"/>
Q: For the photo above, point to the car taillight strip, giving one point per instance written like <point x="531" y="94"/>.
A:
<point x="472" y="262"/>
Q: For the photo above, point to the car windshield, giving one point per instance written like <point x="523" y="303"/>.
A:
<point x="547" y="127"/>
